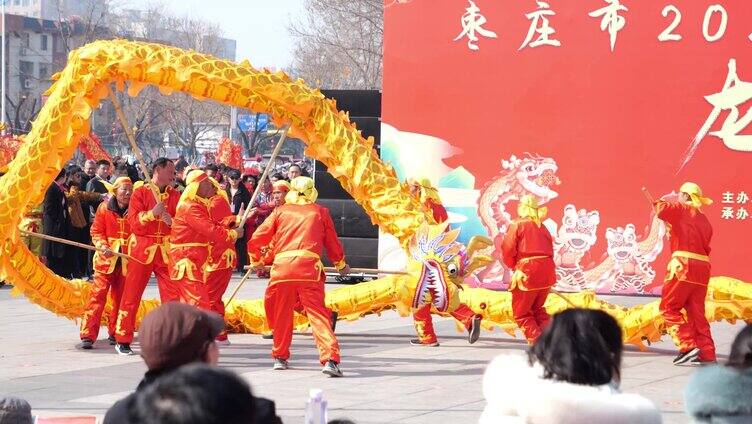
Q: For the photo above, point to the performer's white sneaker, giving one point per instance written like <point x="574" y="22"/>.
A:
<point x="280" y="364"/>
<point x="123" y="349"/>
<point x="684" y="357"/>
<point x="331" y="369"/>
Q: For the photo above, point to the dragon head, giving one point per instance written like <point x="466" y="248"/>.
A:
<point x="578" y="228"/>
<point x="441" y="263"/>
<point x="535" y="174"/>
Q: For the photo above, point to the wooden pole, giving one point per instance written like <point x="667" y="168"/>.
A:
<point x="327" y="269"/>
<point x="240" y="284"/>
<point x="132" y="140"/>
<point x="261" y="180"/>
<point x="358" y="271"/>
<point x="72" y="243"/>
<point x="558" y="293"/>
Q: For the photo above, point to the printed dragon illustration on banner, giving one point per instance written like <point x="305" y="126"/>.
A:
<point x="626" y="268"/>
<point x="437" y="261"/>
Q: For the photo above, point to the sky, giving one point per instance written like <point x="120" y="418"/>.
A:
<point x="258" y="26"/>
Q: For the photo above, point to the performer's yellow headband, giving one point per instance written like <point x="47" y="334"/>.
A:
<point x="529" y="208"/>
<point x="302" y="191"/>
<point x="281" y="185"/>
<point x="696" y="199"/>
<point x="195" y="176"/>
<point x="192" y="181"/>
<point x="121" y="181"/>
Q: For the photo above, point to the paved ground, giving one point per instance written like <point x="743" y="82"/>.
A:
<point x="386" y="379"/>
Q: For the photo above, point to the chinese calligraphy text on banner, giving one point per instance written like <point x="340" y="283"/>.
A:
<point x="580" y="104"/>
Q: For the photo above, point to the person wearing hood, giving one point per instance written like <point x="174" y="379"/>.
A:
<point x="527" y="249"/>
<point x="429" y="197"/>
<point x="109" y="231"/>
<point x="686" y="283"/>
<point x="298" y="232"/>
<point x="194" y="236"/>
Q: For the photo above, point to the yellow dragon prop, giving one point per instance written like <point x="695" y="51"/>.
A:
<point x="437" y="261"/>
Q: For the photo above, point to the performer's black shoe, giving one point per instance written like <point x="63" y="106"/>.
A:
<point x="684" y="357"/>
<point x="331" y="369"/>
<point x="417" y="342"/>
<point x="267" y="336"/>
<point x="112" y="340"/>
<point x="280" y="364"/>
<point x="474" y="332"/>
<point x="335" y="315"/>
<point x="123" y="349"/>
<point x="86" y="344"/>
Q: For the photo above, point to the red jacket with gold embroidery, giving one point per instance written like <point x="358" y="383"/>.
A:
<point x="529" y="248"/>
<point x="297" y="235"/>
<point x="193" y="235"/>
<point x="690" y="233"/>
<point x="223" y="254"/>
<point x="109" y="230"/>
<point x="150" y="234"/>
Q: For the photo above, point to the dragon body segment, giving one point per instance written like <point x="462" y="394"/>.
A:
<point x="437" y="262"/>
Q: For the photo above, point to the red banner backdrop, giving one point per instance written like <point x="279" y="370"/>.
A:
<point x="580" y="103"/>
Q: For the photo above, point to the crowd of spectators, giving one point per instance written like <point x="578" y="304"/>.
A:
<point x="572" y="374"/>
<point x="71" y="201"/>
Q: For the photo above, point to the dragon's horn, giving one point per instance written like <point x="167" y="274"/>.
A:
<point x="477" y="243"/>
<point x="477" y="262"/>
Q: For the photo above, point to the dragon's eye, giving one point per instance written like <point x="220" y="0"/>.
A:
<point x="452" y="269"/>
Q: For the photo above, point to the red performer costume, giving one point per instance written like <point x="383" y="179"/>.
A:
<point x="297" y="233"/>
<point x="223" y="258"/>
<point x="110" y="231"/>
<point x="527" y="248"/>
<point x="194" y="236"/>
<point x="148" y="246"/>
<point x="686" y="283"/>
<point x="422" y="316"/>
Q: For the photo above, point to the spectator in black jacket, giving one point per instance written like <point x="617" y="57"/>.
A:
<point x="239" y="198"/>
<point x="97" y="185"/>
<point x="90" y="171"/>
<point x="56" y="223"/>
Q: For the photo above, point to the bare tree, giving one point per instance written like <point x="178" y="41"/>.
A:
<point x="339" y="43"/>
<point x="93" y="21"/>
<point x="21" y="113"/>
<point x="191" y="121"/>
